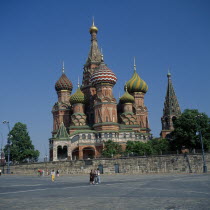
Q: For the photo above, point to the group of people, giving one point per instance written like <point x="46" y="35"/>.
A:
<point x="53" y="173"/>
<point x="95" y="176"/>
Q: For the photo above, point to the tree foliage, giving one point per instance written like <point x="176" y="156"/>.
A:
<point x="111" y="149"/>
<point x="152" y="147"/>
<point x="21" y="147"/>
<point x="185" y="128"/>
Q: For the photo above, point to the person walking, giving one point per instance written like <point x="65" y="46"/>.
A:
<point x="91" y="177"/>
<point x="95" y="177"/>
<point x="53" y="175"/>
<point x="58" y="173"/>
<point x="99" y="178"/>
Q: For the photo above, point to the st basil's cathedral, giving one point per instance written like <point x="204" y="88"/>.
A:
<point x="84" y="120"/>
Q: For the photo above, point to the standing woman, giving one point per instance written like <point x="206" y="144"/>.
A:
<point x="53" y="175"/>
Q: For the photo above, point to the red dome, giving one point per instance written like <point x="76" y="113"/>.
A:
<point x="63" y="83"/>
<point x="103" y="75"/>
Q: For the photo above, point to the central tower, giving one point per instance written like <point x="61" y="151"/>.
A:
<point x="93" y="62"/>
<point x="105" y="105"/>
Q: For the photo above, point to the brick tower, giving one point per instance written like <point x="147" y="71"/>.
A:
<point x="137" y="87"/>
<point x="105" y="105"/>
<point x="171" y="110"/>
<point x="61" y="109"/>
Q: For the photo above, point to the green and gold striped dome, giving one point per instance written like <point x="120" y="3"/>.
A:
<point x="77" y="97"/>
<point x="136" y="84"/>
<point x="126" y="98"/>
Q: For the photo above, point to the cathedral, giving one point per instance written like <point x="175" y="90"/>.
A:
<point x="85" y="119"/>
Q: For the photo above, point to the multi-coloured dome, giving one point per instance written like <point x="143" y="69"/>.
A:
<point x="77" y="97"/>
<point x="136" y="84"/>
<point x="63" y="83"/>
<point x="126" y="98"/>
<point x="103" y="75"/>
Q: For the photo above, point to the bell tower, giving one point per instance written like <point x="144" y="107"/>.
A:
<point x="171" y="109"/>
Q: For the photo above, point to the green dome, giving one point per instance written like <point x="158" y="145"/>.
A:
<point x="136" y="84"/>
<point x="77" y="97"/>
<point x="126" y="98"/>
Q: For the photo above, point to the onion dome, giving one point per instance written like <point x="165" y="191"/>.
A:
<point x="103" y="75"/>
<point x="77" y="97"/>
<point x="126" y="98"/>
<point x="136" y="84"/>
<point x="63" y="83"/>
<point x="93" y="28"/>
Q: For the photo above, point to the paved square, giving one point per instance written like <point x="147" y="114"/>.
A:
<point x="181" y="191"/>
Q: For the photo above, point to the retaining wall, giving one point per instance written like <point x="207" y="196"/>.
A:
<point x="132" y="165"/>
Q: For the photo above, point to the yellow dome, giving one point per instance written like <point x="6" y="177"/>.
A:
<point x="136" y="84"/>
<point x="93" y="29"/>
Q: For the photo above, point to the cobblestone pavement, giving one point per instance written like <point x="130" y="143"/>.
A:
<point x="181" y="191"/>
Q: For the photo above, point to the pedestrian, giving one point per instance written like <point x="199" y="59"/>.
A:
<point x="95" y="177"/>
<point x="98" y="173"/>
<point x="58" y="173"/>
<point x="0" y="172"/>
<point x="53" y="175"/>
<point x="91" y="177"/>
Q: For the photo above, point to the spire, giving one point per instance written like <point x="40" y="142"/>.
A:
<point x="134" y="64"/>
<point x="171" y="106"/>
<point x="63" y="68"/>
<point x="94" y="56"/>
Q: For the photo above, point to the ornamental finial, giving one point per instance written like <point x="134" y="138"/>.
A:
<point x="169" y="74"/>
<point x="63" y="68"/>
<point x="102" y="56"/>
<point x="126" y="88"/>
<point x="134" y="63"/>
<point x="93" y="28"/>
<point x="78" y="82"/>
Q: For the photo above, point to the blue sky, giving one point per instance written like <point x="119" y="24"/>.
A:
<point x="36" y="36"/>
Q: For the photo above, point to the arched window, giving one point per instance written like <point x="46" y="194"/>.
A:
<point x="83" y="136"/>
<point x="110" y="135"/>
<point x="130" y="135"/>
<point x="89" y="136"/>
<point x="125" y="135"/>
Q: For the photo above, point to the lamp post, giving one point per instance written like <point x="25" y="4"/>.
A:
<point x="8" y="147"/>
<point x="203" y="154"/>
<point x="202" y="147"/>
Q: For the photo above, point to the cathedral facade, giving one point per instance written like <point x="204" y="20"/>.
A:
<point x="85" y="119"/>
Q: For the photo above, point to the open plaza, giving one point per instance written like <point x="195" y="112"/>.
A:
<point x="158" y="191"/>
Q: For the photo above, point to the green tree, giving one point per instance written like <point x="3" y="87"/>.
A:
<point x="111" y="149"/>
<point x="185" y="128"/>
<point x="21" y="147"/>
<point x="159" y="146"/>
<point x="138" y="148"/>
